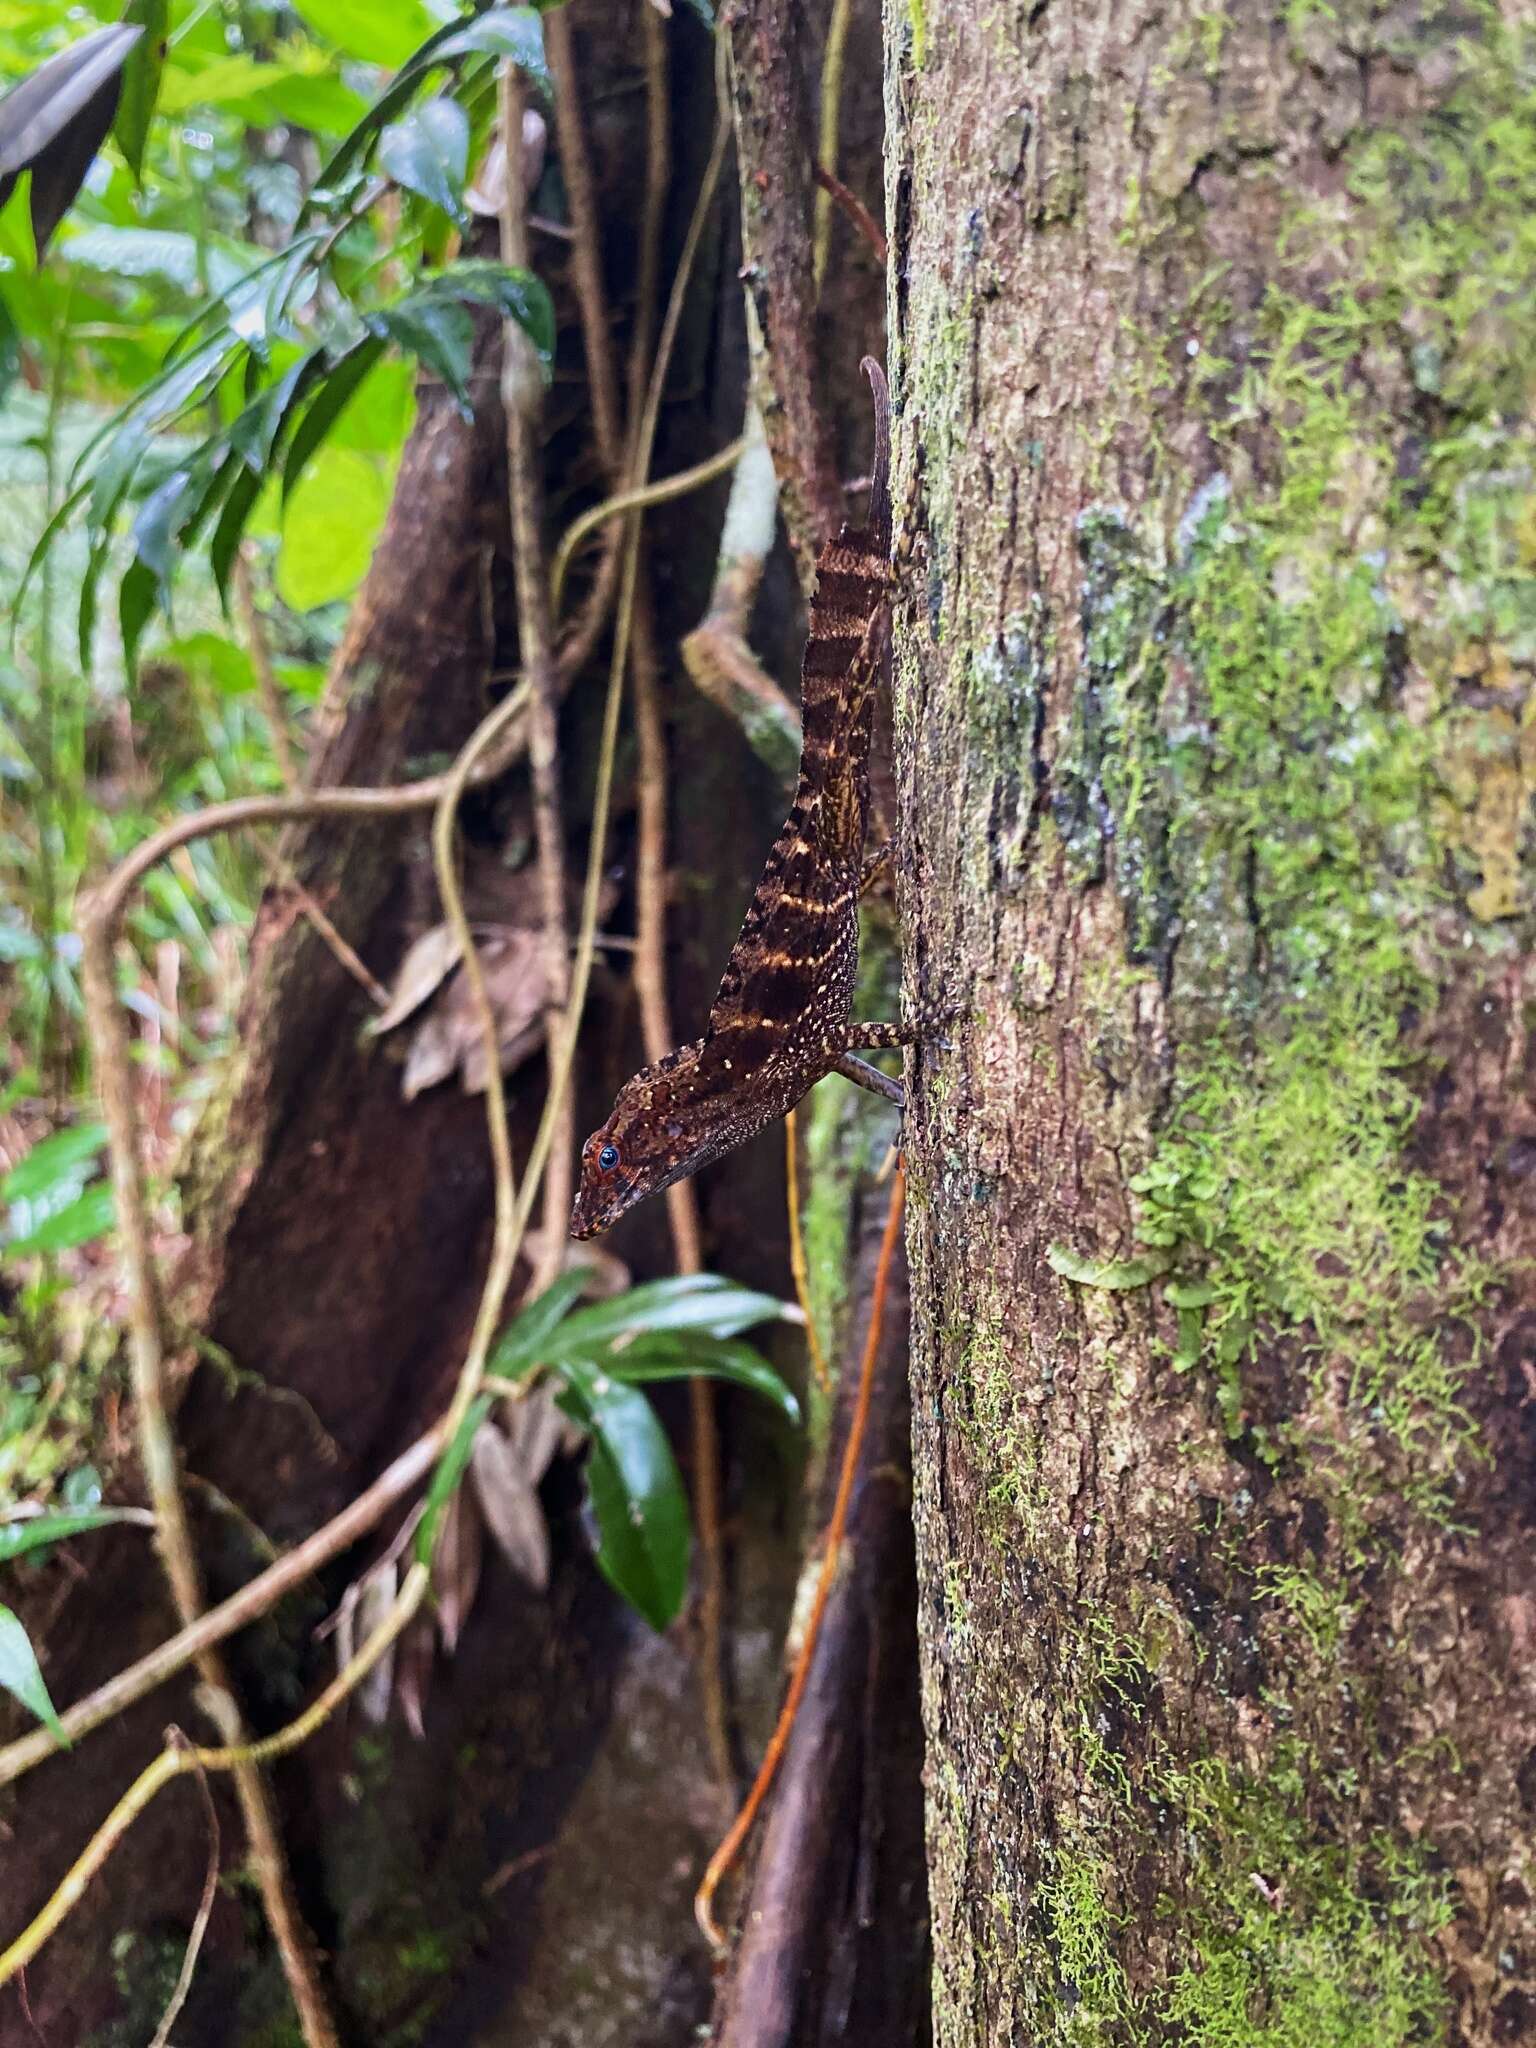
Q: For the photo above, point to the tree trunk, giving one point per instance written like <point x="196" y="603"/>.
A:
<point x="1213" y="344"/>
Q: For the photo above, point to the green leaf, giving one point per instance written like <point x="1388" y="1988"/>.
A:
<point x="1115" y="1274"/>
<point x="689" y="1354"/>
<point x="22" y="1677"/>
<point x="447" y="1474"/>
<point x="636" y="1493"/>
<point x="516" y="294"/>
<point x="705" y="12"/>
<point x="330" y="525"/>
<point x="515" y="32"/>
<point x="695" y="1301"/>
<point x="388" y="34"/>
<point x="36" y="1532"/>
<point x="428" y="153"/>
<point x="255" y="432"/>
<point x="244" y="489"/>
<point x="141" y="80"/>
<point x="1191" y="1293"/>
<point x="63" y="1157"/>
<point x="413" y="74"/>
<point x="1191" y="1339"/>
<point x="89" y="1216"/>
<point x="524" y="1342"/>
<point x="329" y="402"/>
<point x="137" y="596"/>
<point x="224" y="82"/>
<point x="439" y="333"/>
<point x="322" y="105"/>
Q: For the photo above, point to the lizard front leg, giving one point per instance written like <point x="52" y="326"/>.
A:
<point x="874" y="862"/>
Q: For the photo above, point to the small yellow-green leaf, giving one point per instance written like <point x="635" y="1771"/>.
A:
<point x="1119" y="1275"/>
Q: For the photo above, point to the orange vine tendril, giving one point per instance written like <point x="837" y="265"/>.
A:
<point x="797" y="1264"/>
<point x="741" y="1827"/>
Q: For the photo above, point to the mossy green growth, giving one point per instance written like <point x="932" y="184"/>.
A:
<point x="1273" y="735"/>
<point x="1300" y="1941"/>
<point x="1081" y="1930"/>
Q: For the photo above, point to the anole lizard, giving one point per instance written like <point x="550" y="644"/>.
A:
<point x="782" y="1018"/>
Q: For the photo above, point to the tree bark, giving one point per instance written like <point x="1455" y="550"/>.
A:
<point x="1213" y="347"/>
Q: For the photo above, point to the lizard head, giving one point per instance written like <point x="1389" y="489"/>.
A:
<point x="666" y="1122"/>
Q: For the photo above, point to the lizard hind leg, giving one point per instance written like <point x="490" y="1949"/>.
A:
<point x="852" y="1068"/>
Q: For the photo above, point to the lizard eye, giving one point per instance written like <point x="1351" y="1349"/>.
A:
<point x="608" y="1158"/>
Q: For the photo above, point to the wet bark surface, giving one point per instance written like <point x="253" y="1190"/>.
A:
<point x="1216" y="834"/>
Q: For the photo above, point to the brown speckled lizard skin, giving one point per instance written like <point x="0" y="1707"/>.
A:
<point x="782" y="1018"/>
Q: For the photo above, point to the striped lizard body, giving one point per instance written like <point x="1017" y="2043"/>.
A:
<point x="782" y="1018"/>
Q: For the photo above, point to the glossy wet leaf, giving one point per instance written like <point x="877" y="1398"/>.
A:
<point x="439" y="333"/>
<point x="695" y="1301"/>
<point x="515" y="32"/>
<point x="694" y="1354"/>
<point x="428" y="153"/>
<point x="22" y="1677"/>
<point x="636" y="1494"/>
<point x="525" y="1341"/>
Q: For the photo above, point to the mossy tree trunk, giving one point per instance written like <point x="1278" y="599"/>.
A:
<point x="1213" y="339"/>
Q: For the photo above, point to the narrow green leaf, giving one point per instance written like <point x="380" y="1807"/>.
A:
<point x="636" y="1493"/>
<point x="691" y="1354"/>
<point x="141" y="80"/>
<point x="36" y="1532"/>
<point x="22" y="1677"/>
<point x="61" y="1157"/>
<point x="89" y="1216"/>
<point x="256" y="431"/>
<point x="137" y="596"/>
<point x="523" y="1343"/>
<point x="1115" y="1274"/>
<point x="328" y="404"/>
<point x="447" y="1474"/>
<point x="428" y="153"/>
<point x="696" y="1301"/>
<point x="244" y="490"/>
